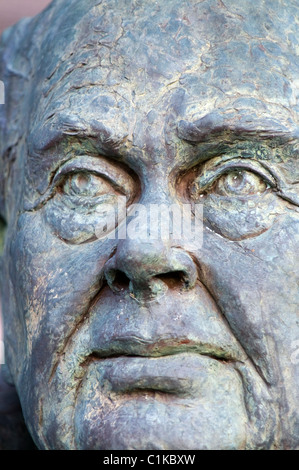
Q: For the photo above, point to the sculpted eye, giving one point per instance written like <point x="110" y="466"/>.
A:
<point x="238" y="195"/>
<point x="85" y="184"/>
<point x="239" y="183"/>
<point x="232" y="179"/>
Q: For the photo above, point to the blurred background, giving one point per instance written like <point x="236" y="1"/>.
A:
<point x="12" y="11"/>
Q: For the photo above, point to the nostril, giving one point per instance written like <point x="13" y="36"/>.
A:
<point x="121" y="280"/>
<point x="174" y="279"/>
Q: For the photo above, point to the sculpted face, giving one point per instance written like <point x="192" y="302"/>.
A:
<point x="131" y="343"/>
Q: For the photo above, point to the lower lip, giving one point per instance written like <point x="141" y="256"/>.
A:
<point x="185" y="374"/>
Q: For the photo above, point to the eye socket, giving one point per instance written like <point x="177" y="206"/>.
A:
<point x="239" y="195"/>
<point x="239" y="183"/>
<point x="85" y="184"/>
<point x="232" y="179"/>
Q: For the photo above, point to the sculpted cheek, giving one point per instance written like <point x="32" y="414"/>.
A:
<point x="55" y="283"/>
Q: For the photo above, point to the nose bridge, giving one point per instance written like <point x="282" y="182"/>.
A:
<point x="146" y="265"/>
<point x="158" y="188"/>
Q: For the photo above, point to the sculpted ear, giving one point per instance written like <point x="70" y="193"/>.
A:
<point x="15" y="70"/>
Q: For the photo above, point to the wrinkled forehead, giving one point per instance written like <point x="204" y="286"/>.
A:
<point x="124" y="58"/>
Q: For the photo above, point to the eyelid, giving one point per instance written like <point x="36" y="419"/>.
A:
<point x="116" y="176"/>
<point x="213" y="171"/>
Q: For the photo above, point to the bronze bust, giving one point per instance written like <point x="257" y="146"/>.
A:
<point x="138" y="343"/>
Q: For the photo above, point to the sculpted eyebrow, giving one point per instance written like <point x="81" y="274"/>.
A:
<point x="60" y="131"/>
<point x="210" y="128"/>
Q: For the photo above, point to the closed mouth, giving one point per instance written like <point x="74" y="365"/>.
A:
<point x="181" y="373"/>
<point x="138" y="347"/>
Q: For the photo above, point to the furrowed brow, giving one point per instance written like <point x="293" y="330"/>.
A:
<point x="56" y="131"/>
<point x="216" y="126"/>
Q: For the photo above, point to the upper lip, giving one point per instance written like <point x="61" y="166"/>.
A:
<point x="124" y="329"/>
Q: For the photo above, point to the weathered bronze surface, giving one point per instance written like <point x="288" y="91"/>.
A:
<point x="138" y="344"/>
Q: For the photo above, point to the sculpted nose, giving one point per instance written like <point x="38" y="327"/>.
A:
<point x="148" y="269"/>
